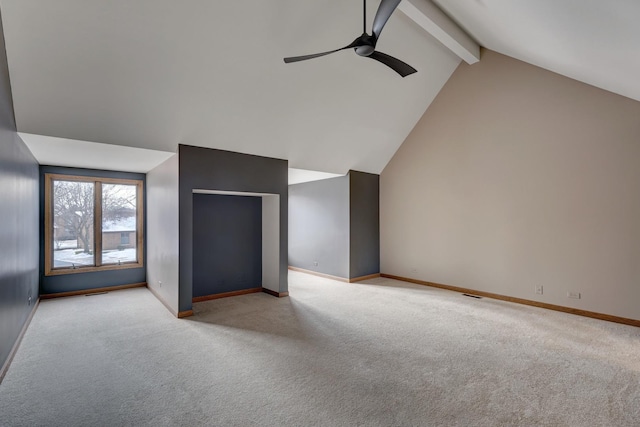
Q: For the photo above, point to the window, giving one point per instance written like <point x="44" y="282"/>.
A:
<point x="92" y="224"/>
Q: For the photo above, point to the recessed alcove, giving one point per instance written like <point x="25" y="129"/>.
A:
<point x="235" y="233"/>
<point x="197" y="171"/>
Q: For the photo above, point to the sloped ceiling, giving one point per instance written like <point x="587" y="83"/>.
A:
<point x="593" y="41"/>
<point x="155" y="73"/>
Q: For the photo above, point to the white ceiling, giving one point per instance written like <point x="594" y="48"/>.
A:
<point x="593" y="41"/>
<point x="298" y="176"/>
<point x="92" y="155"/>
<point x="155" y="73"/>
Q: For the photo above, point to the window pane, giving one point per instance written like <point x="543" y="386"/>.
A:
<point x="73" y="224"/>
<point x="119" y="213"/>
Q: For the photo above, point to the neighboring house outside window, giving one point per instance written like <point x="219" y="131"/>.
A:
<point x="119" y="234"/>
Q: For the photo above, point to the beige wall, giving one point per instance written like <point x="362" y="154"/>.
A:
<point x="516" y="177"/>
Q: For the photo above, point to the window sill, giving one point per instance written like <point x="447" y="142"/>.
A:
<point x="63" y="271"/>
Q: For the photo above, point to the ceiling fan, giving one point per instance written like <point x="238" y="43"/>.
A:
<point x="365" y="45"/>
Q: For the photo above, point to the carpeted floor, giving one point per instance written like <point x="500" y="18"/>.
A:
<point x="377" y="353"/>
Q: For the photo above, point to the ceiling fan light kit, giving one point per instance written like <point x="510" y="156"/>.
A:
<point x="365" y="45"/>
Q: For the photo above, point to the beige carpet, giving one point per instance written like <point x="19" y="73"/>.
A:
<point x="378" y="353"/>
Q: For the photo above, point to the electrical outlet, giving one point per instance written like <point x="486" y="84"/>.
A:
<point x="574" y="295"/>
<point x="315" y="263"/>
<point x="539" y="289"/>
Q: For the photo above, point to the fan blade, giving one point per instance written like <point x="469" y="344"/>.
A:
<point x="315" y="55"/>
<point x="395" y="64"/>
<point x="385" y="10"/>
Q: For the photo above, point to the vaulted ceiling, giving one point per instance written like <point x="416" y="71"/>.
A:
<point x="156" y="73"/>
<point x="153" y="74"/>
<point x="593" y="41"/>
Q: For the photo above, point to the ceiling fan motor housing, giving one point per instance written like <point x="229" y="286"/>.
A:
<point x="366" y="45"/>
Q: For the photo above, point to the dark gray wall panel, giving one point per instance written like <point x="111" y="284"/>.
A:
<point x="18" y="221"/>
<point x="364" y="222"/>
<point x="96" y="279"/>
<point x="227" y="243"/>
<point x="319" y="226"/>
<point x="209" y="169"/>
<point x="18" y="236"/>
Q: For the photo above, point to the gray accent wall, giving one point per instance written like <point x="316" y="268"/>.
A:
<point x="18" y="222"/>
<point x="334" y="225"/>
<point x="227" y="244"/>
<point x="218" y="170"/>
<point x="319" y="226"/>
<point x="95" y="279"/>
<point x="162" y="232"/>
<point x="364" y="224"/>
